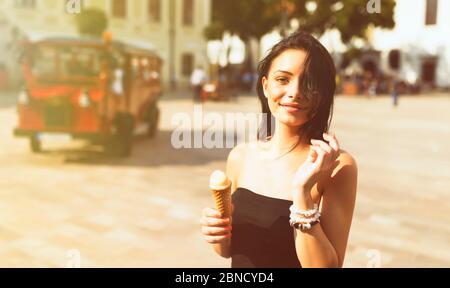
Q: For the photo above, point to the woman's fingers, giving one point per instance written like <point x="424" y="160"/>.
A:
<point x="312" y="156"/>
<point x="324" y="160"/>
<point x="216" y="231"/>
<point x="210" y="212"/>
<point x="216" y="222"/>
<point x="214" y="228"/>
<point x="212" y="217"/>
<point x="320" y="154"/>
<point x="331" y="138"/>
<point x="331" y="148"/>
<point x="216" y="239"/>
<point x="322" y="145"/>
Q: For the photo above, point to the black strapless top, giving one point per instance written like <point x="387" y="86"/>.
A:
<point x="261" y="237"/>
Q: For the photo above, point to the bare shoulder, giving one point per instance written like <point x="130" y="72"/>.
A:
<point x="345" y="159"/>
<point x="235" y="161"/>
<point x="237" y="155"/>
<point x="345" y="172"/>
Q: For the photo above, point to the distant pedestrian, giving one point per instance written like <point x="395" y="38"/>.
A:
<point x="198" y="78"/>
<point x="247" y="80"/>
<point x="372" y="91"/>
<point x="394" y="92"/>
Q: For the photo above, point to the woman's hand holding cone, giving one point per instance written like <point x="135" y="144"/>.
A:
<point x="215" y="227"/>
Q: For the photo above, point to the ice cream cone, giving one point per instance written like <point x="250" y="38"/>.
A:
<point x="220" y="187"/>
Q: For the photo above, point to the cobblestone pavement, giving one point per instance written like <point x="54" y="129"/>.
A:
<point x="72" y="206"/>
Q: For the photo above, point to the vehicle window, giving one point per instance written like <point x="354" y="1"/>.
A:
<point x="43" y="61"/>
<point x="135" y="67"/>
<point x="56" y="61"/>
<point x="146" y="69"/>
<point x="79" y="61"/>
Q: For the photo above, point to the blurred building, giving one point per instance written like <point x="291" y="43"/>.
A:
<point x="172" y="27"/>
<point x="417" y="49"/>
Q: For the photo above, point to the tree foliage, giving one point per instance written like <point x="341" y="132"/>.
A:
<point x="349" y="17"/>
<point x="246" y="18"/>
<point x="91" y="22"/>
<point x="254" y="18"/>
<point x="214" y="31"/>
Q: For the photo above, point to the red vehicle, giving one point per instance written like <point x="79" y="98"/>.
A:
<point x="104" y="91"/>
<point x="213" y="91"/>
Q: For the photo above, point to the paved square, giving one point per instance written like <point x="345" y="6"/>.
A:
<point x="72" y="206"/>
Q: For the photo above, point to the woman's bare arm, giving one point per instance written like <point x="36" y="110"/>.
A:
<point x="325" y="243"/>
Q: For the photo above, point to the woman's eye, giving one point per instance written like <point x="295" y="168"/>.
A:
<point x="282" y="80"/>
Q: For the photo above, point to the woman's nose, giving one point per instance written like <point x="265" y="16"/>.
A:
<point x="294" y="90"/>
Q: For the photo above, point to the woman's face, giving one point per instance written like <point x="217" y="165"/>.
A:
<point x="282" y="88"/>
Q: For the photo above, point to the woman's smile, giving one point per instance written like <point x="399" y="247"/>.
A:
<point x="291" y="107"/>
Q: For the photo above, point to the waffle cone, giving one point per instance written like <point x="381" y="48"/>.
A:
<point x="222" y="198"/>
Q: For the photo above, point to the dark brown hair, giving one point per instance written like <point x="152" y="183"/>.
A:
<point x="317" y="84"/>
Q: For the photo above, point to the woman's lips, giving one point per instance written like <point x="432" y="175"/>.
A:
<point x="291" y="107"/>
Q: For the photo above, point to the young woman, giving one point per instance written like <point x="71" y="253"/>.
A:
<point x="294" y="190"/>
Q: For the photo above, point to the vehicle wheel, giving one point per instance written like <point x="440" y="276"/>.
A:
<point x="35" y="144"/>
<point x="153" y="121"/>
<point x="121" y="141"/>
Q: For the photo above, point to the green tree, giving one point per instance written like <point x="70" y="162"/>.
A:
<point x="91" y="22"/>
<point x="214" y="31"/>
<point x="249" y="19"/>
<point x="253" y="18"/>
<point x="350" y="17"/>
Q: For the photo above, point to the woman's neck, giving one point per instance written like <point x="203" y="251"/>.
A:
<point x="287" y="138"/>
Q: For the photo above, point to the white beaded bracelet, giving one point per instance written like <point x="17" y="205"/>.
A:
<point x="299" y="219"/>
<point x="305" y="213"/>
<point x="304" y="219"/>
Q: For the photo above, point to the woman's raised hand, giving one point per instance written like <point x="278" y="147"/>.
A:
<point x="321" y="158"/>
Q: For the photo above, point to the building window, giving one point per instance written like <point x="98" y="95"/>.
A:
<point x="154" y="11"/>
<point x="29" y="4"/>
<point x="431" y="12"/>
<point x="429" y="65"/>
<point x="394" y="59"/>
<point x="187" y="64"/>
<point x="188" y="12"/>
<point x="119" y="8"/>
